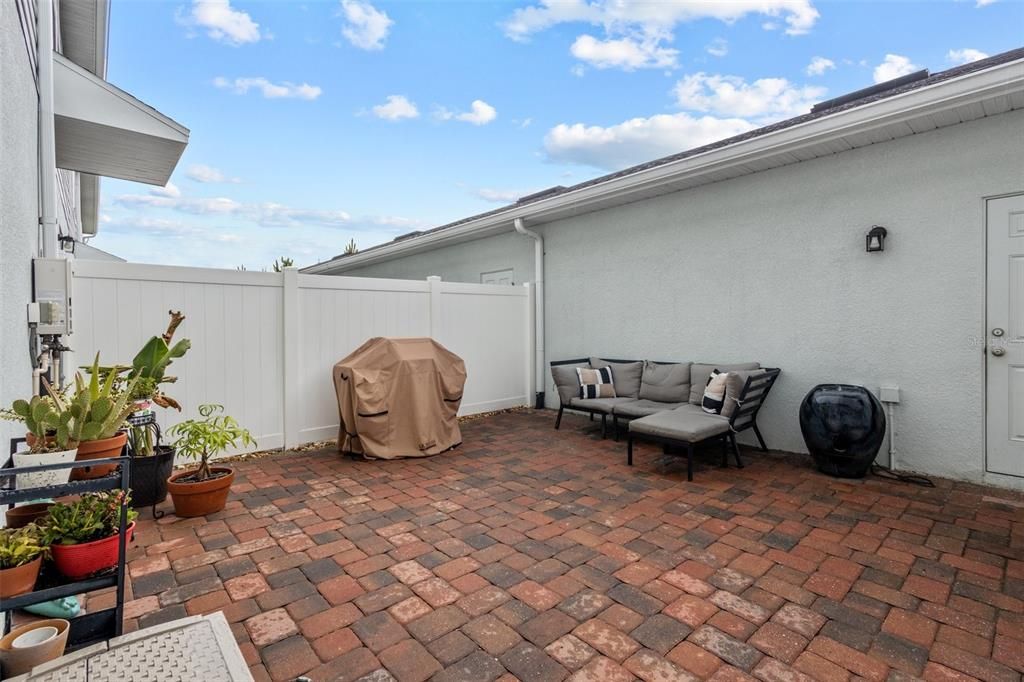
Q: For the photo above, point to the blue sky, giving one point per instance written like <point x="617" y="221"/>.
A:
<point x="313" y="123"/>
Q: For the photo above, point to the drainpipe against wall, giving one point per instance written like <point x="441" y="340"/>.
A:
<point x="47" y="154"/>
<point x="538" y="280"/>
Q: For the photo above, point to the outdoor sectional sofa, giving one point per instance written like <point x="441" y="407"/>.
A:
<point x="662" y="402"/>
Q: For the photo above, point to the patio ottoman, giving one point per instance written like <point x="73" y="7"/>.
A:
<point x="687" y="425"/>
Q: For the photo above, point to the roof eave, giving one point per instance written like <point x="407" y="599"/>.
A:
<point x="1000" y="80"/>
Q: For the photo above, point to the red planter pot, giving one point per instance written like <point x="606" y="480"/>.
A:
<point x="82" y="560"/>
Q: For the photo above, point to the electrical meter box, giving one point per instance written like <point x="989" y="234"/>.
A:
<point x="51" y="281"/>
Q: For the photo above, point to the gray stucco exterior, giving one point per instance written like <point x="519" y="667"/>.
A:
<point x="465" y="262"/>
<point x="19" y="211"/>
<point x="771" y="267"/>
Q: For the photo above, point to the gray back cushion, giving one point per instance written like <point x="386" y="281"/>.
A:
<point x="625" y="376"/>
<point x="567" y="382"/>
<point x="699" y="373"/>
<point x="734" y="386"/>
<point x="666" y="383"/>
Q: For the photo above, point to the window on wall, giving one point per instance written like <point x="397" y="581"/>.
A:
<point x="506" y="277"/>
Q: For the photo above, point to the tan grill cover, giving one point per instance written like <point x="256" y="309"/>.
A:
<point x="399" y="398"/>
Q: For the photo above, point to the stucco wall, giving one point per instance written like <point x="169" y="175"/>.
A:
<point x="462" y="262"/>
<point x="772" y="267"/>
<point x="18" y="212"/>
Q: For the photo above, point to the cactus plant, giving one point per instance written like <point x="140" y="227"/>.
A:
<point x="98" y="411"/>
<point x="47" y="421"/>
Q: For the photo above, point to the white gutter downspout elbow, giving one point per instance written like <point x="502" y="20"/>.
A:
<point x="47" y="146"/>
<point x="538" y="280"/>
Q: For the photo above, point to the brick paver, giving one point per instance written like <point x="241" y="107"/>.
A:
<point x="532" y="554"/>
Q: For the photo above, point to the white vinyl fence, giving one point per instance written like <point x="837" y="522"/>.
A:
<point x="264" y="343"/>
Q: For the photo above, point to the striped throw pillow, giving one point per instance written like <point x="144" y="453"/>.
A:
<point x="596" y="383"/>
<point x="714" y="392"/>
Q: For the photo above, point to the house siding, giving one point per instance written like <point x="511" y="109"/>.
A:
<point x="771" y="267"/>
<point x="19" y="208"/>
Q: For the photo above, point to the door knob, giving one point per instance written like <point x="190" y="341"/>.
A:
<point x="998" y="352"/>
<point x="998" y="331"/>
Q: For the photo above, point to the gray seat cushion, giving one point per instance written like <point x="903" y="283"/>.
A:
<point x="700" y="372"/>
<point x="625" y="375"/>
<point x="642" y="408"/>
<point x="682" y="424"/>
<point x="603" y="405"/>
<point x="567" y="382"/>
<point x="666" y="383"/>
<point x="734" y="386"/>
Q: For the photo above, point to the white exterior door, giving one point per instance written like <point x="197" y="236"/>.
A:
<point x="1005" y="335"/>
<point x="505" y="277"/>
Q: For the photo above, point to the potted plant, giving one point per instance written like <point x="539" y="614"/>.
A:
<point x="204" y="490"/>
<point x="99" y="411"/>
<point x="152" y="463"/>
<point x="83" y="535"/>
<point x="49" y="437"/>
<point x="21" y="554"/>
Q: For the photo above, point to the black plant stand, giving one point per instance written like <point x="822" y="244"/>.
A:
<point x="87" y="628"/>
<point x="150" y="472"/>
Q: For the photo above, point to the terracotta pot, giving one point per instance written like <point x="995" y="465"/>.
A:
<point x="98" y="449"/>
<point x="20" y="579"/>
<point x="200" y="499"/>
<point x="19" y="517"/>
<point x="82" y="560"/>
<point x="20" y="661"/>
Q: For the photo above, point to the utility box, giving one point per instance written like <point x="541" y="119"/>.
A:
<point x="51" y="285"/>
<point x="889" y="394"/>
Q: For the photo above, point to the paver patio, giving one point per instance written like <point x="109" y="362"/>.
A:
<point x="539" y="555"/>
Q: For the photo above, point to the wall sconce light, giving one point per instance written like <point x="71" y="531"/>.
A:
<point x="875" y="240"/>
<point x="67" y="243"/>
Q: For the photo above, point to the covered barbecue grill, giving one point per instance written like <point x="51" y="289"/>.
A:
<point x="399" y="398"/>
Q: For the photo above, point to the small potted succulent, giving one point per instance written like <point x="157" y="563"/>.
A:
<point x="99" y="411"/>
<point x="83" y="535"/>
<point x="21" y="554"/>
<point x="49" y="434"/>
<point x="204" y="490"/>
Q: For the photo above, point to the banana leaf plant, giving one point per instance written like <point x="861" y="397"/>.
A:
<point x="146" y="375"/>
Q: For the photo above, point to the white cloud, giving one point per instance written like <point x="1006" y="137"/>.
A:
<point x="578" y="70"/>
<point x="395" y="108"/>
<point x="637" y="34"/>
<point x="894" y="66"/>
<point x="499" y="196"/>
<point x="637" y="140"/>
<point x="623" y="53"/>
<point x="819" y="65"/>
<point x="984" y="3"/>
<point x="965" y="55"/>
<point x="480" y="113"/>
<point x="652" y="18"/>
<point x="270" y="90"/>
<point x="765" y="98"/>
<point x="208" y="174"/>
<point x="366" y="27"/>
<point x="222" y="22"/>
<point x="719" y="47"/>
<point x="169" y="190"/>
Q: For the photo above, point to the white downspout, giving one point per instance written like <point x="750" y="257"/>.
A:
<point x="47" y="153"/>
<point x="538" y="279"/>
